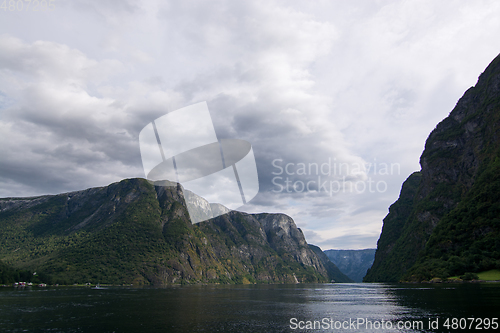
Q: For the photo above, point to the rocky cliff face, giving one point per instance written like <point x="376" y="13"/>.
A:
<point x="134" y="232"/>
<point x="446" y="212"/>
<point x="334" y="273"/>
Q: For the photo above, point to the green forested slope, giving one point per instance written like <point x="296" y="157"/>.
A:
<point x="134" y="232"/>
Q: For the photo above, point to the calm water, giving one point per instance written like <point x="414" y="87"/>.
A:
<point x="255" y="308"/>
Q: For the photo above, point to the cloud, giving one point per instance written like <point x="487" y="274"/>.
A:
<point x="357" y="84"/>
<point x="58" y="137"/>
<point x="53" y="63"/>
<point x="346" y="242"/>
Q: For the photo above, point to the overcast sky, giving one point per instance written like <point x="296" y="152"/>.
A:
<point x="343" y="92"/>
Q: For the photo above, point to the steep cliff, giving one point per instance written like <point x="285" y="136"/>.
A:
<point x="134" y="232"/>
<point x="334" y="273"/>
<point x="446" y="221"/>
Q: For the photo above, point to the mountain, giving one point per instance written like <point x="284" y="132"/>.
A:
<point x="446" y="221"/>
<point x="135" y="232"/>
<point x="353" y="263"/>
<point x="334" y="273"/>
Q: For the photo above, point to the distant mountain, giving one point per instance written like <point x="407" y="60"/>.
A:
<point x="353" y="263"/>
<point x="135" y="232"/>
<point x="334" y="273"/>
<point x="446" y="221"/>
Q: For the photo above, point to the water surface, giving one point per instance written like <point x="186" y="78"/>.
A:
<point x="246" y="308"/>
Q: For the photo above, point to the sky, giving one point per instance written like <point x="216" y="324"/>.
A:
<point x="336" y="98"/>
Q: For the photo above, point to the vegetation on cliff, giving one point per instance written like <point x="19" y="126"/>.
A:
<point x="135" y="232"/>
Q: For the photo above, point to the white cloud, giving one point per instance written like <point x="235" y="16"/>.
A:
<point x="304" y="82"/>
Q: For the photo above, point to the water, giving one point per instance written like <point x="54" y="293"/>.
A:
<point x="246" y="308"/>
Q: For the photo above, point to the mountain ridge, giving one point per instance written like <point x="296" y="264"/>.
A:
<point x="334" y="273"/>
<point x="353" y="263"/>
<point x="134" y="232"/>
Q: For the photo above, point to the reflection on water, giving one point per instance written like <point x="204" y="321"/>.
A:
<point x="248" y="308"/>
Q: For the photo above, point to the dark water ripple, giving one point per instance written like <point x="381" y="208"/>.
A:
<point x="245" y="308"/>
